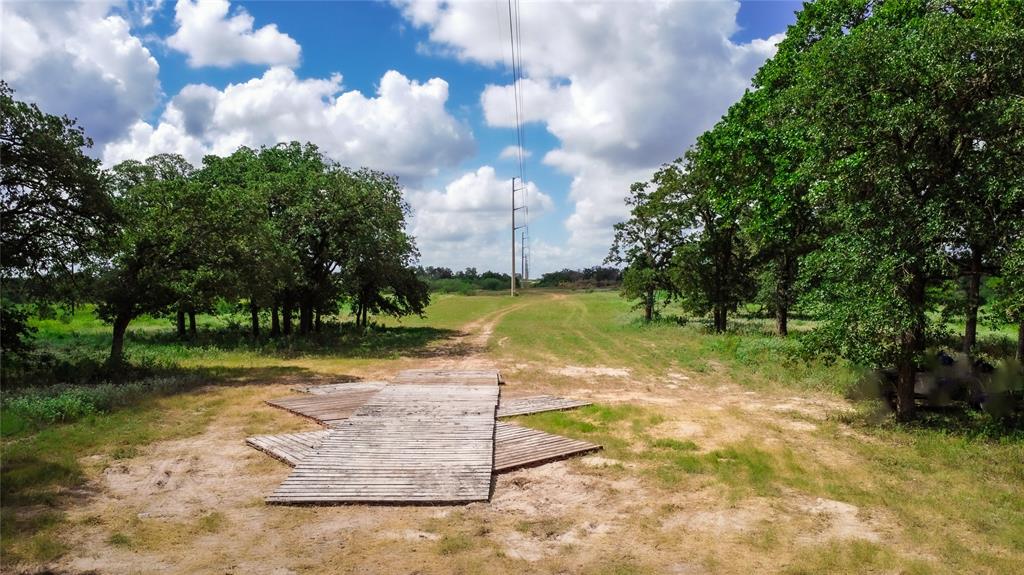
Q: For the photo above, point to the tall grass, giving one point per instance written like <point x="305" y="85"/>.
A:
<point x="36" y="407"/>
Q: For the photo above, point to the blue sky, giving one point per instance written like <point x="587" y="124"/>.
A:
<point x="611" y="91"/>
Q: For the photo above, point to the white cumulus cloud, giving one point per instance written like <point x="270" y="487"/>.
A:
<point x="468" y="222"/>
<point x="623" y="86"/>
<point x="404" y="129"/>
<point x="80" y="60"/>
<point x="211" y="35"/>
<point x="513" y="152"/>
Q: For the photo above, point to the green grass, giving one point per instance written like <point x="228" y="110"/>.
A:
<point x="120" y="540"/>
<point x="452" y="544"/>
<point x="73" y="349"/>
<point x="41" y="406"/>
<point x="453" y="311"/>
<point x="673" y="444"/>
<point x="601" y="329"/>
<point x="854" y="557"/>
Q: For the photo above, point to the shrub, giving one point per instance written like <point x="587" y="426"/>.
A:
<point x="64" y="403"/>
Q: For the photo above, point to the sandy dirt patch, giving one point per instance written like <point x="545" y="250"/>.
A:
<point x="592" y="371"/>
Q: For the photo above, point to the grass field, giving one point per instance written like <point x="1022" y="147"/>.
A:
<point x="722" y="453"/>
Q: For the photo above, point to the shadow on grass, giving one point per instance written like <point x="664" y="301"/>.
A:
<point x="957" y="419"/>
<point x="81" y="357"/>
<point x="32" y="409"/>
<point x="990" y="346"/>
<point x="333" y="341"/>
<point x="961" y="420"/>
<point x="453" y="345"/>
<point x="343" y="341"/>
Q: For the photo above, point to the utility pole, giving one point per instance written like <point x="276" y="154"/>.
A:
<point x="522" y="256"/>
<point x="513" y="286"/>
<point x="516" y="208"/>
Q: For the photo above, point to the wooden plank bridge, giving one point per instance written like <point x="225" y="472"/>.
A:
<point x="430" y="441"/>
<point x="515" y="446"/>
<point x="431" y="436"/>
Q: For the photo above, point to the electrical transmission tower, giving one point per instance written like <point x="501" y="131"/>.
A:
<point x="521" y="203"/>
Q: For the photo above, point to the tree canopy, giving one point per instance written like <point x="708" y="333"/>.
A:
<point x="281" y="228"/>
<point x="878" y="157"/>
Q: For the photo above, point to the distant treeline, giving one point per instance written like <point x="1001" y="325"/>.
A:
<point x="594" y="277"/>
<point x="281" y="231"/>
<point x="467" y="281"/>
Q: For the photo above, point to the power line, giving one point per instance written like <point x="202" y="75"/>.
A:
<point x="515" y="42"/>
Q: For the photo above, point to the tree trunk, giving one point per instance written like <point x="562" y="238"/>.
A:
<point x="366" y="311"/>
<point x="912" y="342"/>
<point x="1020" y="341"/>
<point x="305" y="317"/>
<point x="275" y="321"/>
<point x="906" y="374"/>
<point x="782" y="320"/>
<point x="973" y="302"/>
<point x="254" y="311"/>
<point x="782" y="287"/>
<point x="721" y="318"/>
<point x="286" y="318"/>
<point x="192" y="322"/>
<point x="117" y="344"/>
<point x="649" y="306"/>
<point x="181" y="323"/>
<point x="317" y="323"/>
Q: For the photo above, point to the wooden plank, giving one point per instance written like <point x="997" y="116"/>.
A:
<point x="514" y="447"/>
<point x="410" y="442"/>
<point x="330" y="388"/>
<point x="517" y="447"/>
<point x="289" y="448"/>
<point x="445" y="377"/>
<point x="537" y="404"/>
<point x="326" y="409"/>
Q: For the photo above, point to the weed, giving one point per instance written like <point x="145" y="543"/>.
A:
<point x="544" y="528"/>
<point x="39" y="407"/>
<point x="124" y="452"/>
<point x="45" y="548"/>
<point x="856" y="556"/>
<point x="119" y="540"/>
<point x="673" y="444"/>
<point x="452" y="544"/>
<point x="212" y="522"/>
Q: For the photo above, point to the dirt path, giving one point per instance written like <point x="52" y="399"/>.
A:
<point x="466" y="350"/>
<point x="196" y="505"/>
